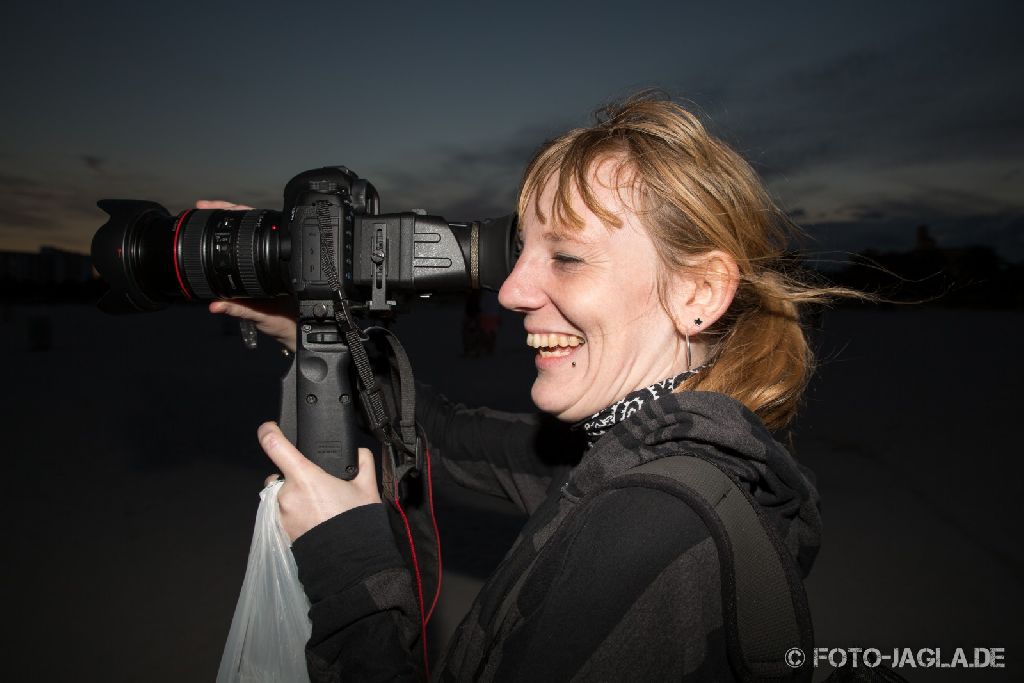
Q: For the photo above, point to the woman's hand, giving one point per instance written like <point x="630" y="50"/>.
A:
<point x="221" y="204"/>
<point x="274" y="317"/>
<point x="309" y="495"/>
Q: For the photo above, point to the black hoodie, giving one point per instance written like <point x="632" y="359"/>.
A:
<point x="602" y="584"/>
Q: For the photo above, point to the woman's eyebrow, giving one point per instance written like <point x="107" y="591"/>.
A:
<point x="554" y="236"/>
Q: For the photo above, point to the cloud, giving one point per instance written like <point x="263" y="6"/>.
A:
<point x="940" y="93"/>
<point x="487" y="202"/>
<point x="24" y="203"/>
<point x="56" y="205"/>
<point x="15" y="182"/>
<point x="93" y="163"/>
<point x="507" y="156"/>
<point x="32" y="210"/>
<point x="20" y="219"/>
<point x="928" y="204"/>
<point x="464" y="183"/>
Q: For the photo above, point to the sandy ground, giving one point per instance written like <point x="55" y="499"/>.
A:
<point x="133" y="470"/>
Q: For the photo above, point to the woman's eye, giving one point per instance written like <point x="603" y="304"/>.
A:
<point x="566" y="259"/>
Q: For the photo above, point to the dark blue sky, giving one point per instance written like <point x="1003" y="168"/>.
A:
<point x="865" y="118"/>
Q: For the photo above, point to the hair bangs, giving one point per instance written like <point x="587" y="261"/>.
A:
<point x="574" y="160"/>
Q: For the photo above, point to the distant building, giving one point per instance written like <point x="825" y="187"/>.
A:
<point x="968" y="276"/>
<point x="51" y="266"/>
<point x="18" y="266"/>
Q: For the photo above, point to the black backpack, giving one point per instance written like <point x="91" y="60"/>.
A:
<point x="767" y="621"/>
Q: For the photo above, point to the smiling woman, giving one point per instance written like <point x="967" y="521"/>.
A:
<point x="651" y="286"/>
<point x="598" y="286"/>
<point x="696" y="225"/>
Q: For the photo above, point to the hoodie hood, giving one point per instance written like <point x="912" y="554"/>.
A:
<point x="722" y="430"/>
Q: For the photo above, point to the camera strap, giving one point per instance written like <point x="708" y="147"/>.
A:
<point x="403" y="449"/>
<point x="405" y="455"/>
<point x="403" y="391"/>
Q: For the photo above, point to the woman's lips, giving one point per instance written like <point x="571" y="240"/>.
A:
<point x="554" y="348"/>
<point x="549" y="359"/>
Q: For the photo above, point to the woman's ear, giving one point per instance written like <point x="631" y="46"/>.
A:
<point x="702" y="292"/>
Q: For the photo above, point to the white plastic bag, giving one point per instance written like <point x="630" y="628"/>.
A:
<point x="270" y="628"/>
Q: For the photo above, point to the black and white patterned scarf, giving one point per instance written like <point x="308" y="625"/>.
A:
<point x="603" y="420"/>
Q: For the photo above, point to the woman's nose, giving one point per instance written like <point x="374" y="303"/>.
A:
<point x="520" y="291"/>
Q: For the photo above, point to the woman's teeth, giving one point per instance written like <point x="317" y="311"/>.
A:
<point x="551" y="345"/>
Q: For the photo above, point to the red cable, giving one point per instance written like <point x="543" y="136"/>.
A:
<point x="424" y="615"/>
<point x="419" y="582"/>
<point x="437" y="535"/>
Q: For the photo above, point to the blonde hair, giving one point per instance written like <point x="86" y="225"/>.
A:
<point x="694" y="194"/>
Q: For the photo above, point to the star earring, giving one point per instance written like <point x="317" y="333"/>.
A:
<point x="698" y="322"/>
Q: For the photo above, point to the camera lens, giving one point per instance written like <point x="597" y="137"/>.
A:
<point x="150" y="258"/>
<point x="229" y="254"/>
<point x="498" y="250"/>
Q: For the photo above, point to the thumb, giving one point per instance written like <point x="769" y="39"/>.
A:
<point x="281" y="451"/>
<point x="367" y="476"/>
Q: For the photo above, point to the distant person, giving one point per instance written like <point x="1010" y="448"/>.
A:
<point x="471" y="333"/>
<point x="490" y="321"/>
<point x="652" y="291"/>
<point x="480" y="322"/>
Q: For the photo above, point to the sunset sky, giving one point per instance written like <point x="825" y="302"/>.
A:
<point x="865" y="118"/>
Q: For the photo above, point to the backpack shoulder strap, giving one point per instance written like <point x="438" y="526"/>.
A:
<point x="765" y="608"/>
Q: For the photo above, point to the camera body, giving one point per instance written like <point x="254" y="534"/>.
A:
<point x="330" y="217"/>
<point x="381" y="255"/>
<point x="334" y="253"/>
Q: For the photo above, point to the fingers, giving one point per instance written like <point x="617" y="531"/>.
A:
<point x="281" y="451"/>
<point x="311" y="496"/>
<point x="273" y="317"/>
<point x="367" y="477"/>
<point x="271" y="479"/>
<point x="221" y="204"/>
<point x="238" y="311"/>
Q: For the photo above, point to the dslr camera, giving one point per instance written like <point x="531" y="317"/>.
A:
<point x="333" y="252"/>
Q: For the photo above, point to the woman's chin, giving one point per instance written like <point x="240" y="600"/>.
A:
<point x="553" y="400"/>
<point x="546" y="398"/>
